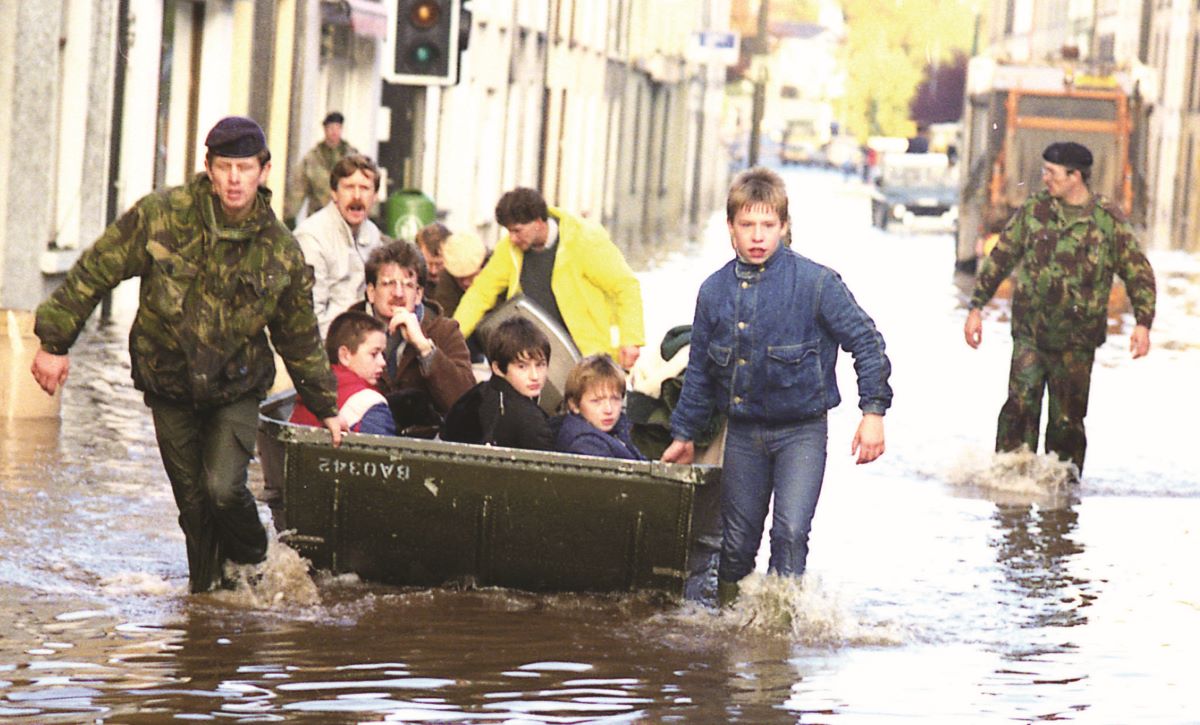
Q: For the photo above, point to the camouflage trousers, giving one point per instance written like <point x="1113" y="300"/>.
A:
<point x="206" y="454"/>
<point x="1066" y="375"/>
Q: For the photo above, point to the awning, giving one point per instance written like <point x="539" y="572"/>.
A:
<point x="367" y="18"/>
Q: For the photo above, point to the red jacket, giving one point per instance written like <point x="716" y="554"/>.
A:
<point x="355" y="397"/>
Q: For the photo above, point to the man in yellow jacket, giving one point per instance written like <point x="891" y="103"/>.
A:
<point x="570" y="268"/>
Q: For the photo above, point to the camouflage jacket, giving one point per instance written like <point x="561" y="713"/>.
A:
<point x="1064" y="272"/>
<point x="209" y="294"/>
<point x="312" y="179"/>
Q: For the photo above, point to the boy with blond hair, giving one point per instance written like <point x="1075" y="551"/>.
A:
<point x="595" y="423"/>
<point x="764" y="348"/>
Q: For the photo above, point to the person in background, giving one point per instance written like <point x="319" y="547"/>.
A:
<point x="338" y="238"/>
<point x="463" y="255"/>
<point x="428" y="366"/>
<point x="310" y="187"/>
<point x="355" y="348"/>
<point x="1065" y="244"/>
<point x="570" y="268"/>
<point x="503" y="410"/>
<point x="218" y="272"/>
<point x="764" y="349"/>
<point x="595" y="424"/>
<point x="430" y="239"/>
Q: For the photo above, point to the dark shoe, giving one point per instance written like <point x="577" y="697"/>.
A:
<point x="727" y="593"/>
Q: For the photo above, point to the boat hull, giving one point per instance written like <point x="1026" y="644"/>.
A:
<point x="428" y="513"/>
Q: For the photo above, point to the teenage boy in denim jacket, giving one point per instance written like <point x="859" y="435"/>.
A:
<point x="764" y="346"/>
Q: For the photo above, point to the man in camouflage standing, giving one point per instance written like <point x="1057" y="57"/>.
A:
<point x="312" y="177"/>
<point x="218" y="271"/>
<point x="1065" y="244"/>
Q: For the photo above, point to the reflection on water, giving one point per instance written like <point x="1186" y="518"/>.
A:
<point x="1035" y="548"/>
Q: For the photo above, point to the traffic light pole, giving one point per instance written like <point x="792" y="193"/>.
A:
<point x="759" y="69"/>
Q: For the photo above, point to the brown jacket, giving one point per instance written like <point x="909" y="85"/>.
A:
<point x="447" y="375"/>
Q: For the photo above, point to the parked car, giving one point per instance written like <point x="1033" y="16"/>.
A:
<point x="800" y="145"/>
<point x="915" y="185"/>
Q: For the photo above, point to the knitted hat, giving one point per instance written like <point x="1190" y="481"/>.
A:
<point x="463" y="254"/>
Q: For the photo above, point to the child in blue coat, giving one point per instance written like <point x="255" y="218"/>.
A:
<point x="595" y="424"/>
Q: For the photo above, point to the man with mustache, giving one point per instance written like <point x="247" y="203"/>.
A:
<point x="338" y="239"/>
<point x="428" y="365"/>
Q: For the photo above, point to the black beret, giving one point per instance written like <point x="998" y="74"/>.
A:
<point x="1068" y="153"/>
<point x="333" y="117"/>
<point x="236" y="137"/>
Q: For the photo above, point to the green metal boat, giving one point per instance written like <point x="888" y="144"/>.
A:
<point x="419" y="512"/>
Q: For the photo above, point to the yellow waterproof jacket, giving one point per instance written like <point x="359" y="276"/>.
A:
<point x="593" y="285"/>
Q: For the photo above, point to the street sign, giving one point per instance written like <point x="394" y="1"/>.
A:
<point x="713" y="46"/>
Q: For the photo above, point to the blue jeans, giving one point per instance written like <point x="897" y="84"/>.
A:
<point x="761" y="459"/>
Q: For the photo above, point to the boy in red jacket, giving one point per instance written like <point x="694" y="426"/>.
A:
<point x="355" y="347"/>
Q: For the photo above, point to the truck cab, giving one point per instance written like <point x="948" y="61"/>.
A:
<point x="1013" y="111"/>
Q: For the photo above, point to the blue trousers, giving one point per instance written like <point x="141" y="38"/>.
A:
<point x="784" y="460"/>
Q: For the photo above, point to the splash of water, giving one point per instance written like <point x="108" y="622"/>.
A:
<point x="799" y="609"/>
<point x="1021" y="475"/>
<point x="281" y="580"/>
<point x="128" y="583"/>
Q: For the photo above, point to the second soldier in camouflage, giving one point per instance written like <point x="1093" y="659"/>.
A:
<point x="1063" y="247"/>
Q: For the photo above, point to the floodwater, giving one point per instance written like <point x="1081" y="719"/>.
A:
<point x="945" y="584"/>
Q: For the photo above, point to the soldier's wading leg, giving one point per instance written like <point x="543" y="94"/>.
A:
<point x="1069" y="382"/>
<point x="206" y="454"/>
<point x="1022" y="411"/>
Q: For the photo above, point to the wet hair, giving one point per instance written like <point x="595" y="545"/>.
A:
<point x="515" y="339"/>
<point x="349" y="330"/>
<point x="521" y="206"/>
<point x="431" y="236"/>
<point x="350" y="164"/>
<point x="400" y="253"/>
<point x="591" y="372"/>
<point x="757" y="186"/>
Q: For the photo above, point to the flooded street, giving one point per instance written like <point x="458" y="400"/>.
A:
<point x="945" y="584"/>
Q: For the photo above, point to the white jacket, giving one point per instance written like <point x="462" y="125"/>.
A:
<point x="337" y="259"/>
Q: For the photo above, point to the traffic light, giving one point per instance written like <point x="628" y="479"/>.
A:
<point x="423" y="42"/>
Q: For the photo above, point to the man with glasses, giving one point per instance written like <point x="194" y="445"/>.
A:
<point x="428" y="365"/>
<point x="1063" y="246"/>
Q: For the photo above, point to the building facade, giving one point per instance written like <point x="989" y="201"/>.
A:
<point x="595" y="103"/>
<point x="1158" y="41"/>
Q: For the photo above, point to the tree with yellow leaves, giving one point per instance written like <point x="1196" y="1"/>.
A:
<point x="889" y="44"/>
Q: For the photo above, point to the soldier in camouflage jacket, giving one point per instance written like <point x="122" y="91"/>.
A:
<point x="311" y="182"/>
<point x="1065" y="244"/>
<point x="218" y="271"/>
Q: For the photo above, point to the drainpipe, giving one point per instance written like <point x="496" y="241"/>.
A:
<point x="114" y="142"/>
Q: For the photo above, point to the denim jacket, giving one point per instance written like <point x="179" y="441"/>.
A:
<point x="765" y="343"/>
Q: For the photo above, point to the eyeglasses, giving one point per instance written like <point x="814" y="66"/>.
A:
<point x="388" y="283"/>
